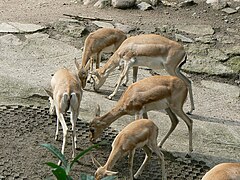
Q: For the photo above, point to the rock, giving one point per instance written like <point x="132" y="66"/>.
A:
<point x="87" y="2"/>
<point x="232" y="30"/>
<point x="187" y="3"/>
<point x="229" y="10"/>
<point x="234" y="64"/>
<point x="10" y="39"/>
<point x="196" y="29"/>
<point x="216" y="4"/>
<point x="74" y="30"/>
<point x="225" y="39"/>
<point x="123" y="4"/>
<point x="34" y="50"/>
<point x="125" y="28"/>
<point x="168" y="3"/>
<point x="217" y="54"/>
<point x="152" y="2"/>
<point x="206" y="39"/>
<point x="103" y="24"/>
<point x="69" y="27"/>
<point x="15" y="27"/>
<point x="207" y="65"/>
<point x="198" y="49"/>
<point x="166" y="29"/>
<point x="183" y="38"/>
<point x="232" y="50"/>
<point x="102" y="4"/>
<point x="148" y="29"/>
<point x="144" y="6"/>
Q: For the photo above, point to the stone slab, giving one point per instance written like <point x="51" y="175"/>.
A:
<point x="196" y="29"/>
<point x="15" y="27"/>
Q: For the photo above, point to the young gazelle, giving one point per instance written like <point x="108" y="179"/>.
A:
<point x="104" y="40"/>
<point x="150" y="50"/>
<point x="152" y="93"/>
<point x="141" y="133"/>
<point x="66" y="95"/>
<point x="224" y="171"/>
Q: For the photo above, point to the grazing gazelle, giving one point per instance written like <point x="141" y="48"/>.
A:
<point x="150" y="50"/>
<point x="142" y="133"/>
<point x="66" y="94"/>
<point x="104" y="40"/>
<point x="224" y="171"/>
<point x="152" y="93"/>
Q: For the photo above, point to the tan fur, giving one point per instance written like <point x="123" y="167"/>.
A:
<point x="66" y="95"/>
<point x="151" y="50"/>
<point x="102" y="40"/>
<point x="141" y="133"/>
<point x="224" y="171"/>
<point x="152" y="93"/>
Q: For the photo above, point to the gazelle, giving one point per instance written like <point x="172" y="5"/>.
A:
<point x="141" y="133"/>
<point x="151" y="50"/>
<point x="152" y="93"/>
<point x="104" y="40"/>
<point x="66" y="95"/>
<point x="224" y="171"/>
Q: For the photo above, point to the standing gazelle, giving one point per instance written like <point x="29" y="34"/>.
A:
<point x="66" y="95"/>
<point x="152" y="93"/>
<point x="104" y="40"/>
<point x="151" y="50"/>
<point x="142" y="133"/>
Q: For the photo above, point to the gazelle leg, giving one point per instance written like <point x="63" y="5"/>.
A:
<point x="122" y="75"/>
<point x="160" y="155"/>
<point x="174" y="122"/>
<point x="189" y="85"/>
<point x="189" y="123"/>
<point x="74" y="103"/>
<point x="131" y="156"/>
<point x="135" y="73"/>
<point x="176" y="72"/>
<point x="65" y="129"/>
<point x="147" y="158"/>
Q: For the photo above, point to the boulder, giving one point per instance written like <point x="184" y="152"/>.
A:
<point x="144" y="6"/>
<point x="102" y="4"/>
<point x="123" y="4"/>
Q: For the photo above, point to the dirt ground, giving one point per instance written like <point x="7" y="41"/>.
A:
<point x="217" y="103"/>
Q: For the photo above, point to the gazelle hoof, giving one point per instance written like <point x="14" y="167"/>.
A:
<point x="109" y="97"/>
<point x="56" y="138"/>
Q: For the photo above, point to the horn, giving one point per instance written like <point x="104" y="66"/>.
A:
<point x="97" y="111"/>
<point x="77" y="64"/>
<point x="95" y="162"/>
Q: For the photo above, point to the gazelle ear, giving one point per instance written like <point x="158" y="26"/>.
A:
<point x="95" y="162"/>
<point x="78" y="66"/>
<point x="97" y="111"/>
<point x="111" y="173"/>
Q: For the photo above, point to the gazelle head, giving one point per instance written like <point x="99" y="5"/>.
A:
<point x="101" y="170"/>
<point x="98" y="79"/>
<point x="82" y="74"/>
<point x="96" y="126"/>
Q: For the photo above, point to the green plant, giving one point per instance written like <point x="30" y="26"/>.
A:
<point x="61" y="172"/>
